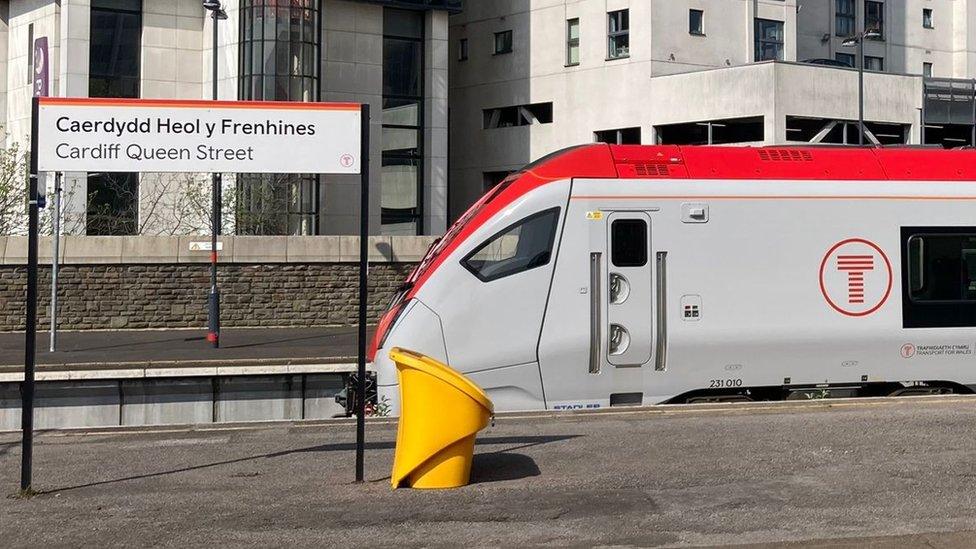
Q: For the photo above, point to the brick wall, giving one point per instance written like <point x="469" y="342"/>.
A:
<point x="175" y="295"/>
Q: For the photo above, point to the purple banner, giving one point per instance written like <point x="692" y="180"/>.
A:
<point x="41" y="70"/>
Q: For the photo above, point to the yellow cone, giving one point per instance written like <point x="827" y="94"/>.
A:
<point x="441" y="411"/>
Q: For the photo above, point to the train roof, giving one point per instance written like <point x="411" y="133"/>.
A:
<point x="774" y="162"/>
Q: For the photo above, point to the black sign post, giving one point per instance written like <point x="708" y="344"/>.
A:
<point x="30" y="330"/>
<point x="363" y="291"/>
<point x="27" y="387"/>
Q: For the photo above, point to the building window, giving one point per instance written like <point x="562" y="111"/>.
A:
<point x="623" y="136"/>
<point x="572" y="42"/>
<point x="518" y="115"/>
<point x="402" y="180"/>
<point x="618" y="34"/>
<point x="844" y="17"/>
<point x="115" y="48"/>
<point x="114" y="71"/>
<point x="277" y="204"/>
<point x="769" y="40"/>
<point x="927" y="70"/>
<point x="874" y="18"/>
<point x="872" y="63"/>
<point x="279" y="56"/>
<point x="30" y="53"/>
<point x="713" y="132"/>
<point x="949" y="106"/>
<point x="503" y="42"/>
<point x="463" y="49"/>
<point x="927" y="18"/>
<point x="279" y="51"/>
<point x="827" y="131"/>
<point x="113" y="204"/>
<point x="939" y="277"/>
<point x="845" y="58"/>
<point x="696" y="22"/>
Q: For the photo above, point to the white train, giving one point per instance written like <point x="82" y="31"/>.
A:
<point x="611" y="275"/>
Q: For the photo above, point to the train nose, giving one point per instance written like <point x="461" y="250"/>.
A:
<point x="419" y="330"/>
<point x="387" y="387"/>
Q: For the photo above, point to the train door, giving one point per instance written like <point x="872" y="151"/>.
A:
<point x="597" y="346"/>
<point x="628" y="297"/>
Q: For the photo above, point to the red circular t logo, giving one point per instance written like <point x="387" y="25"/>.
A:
<point x="347" y="160"/>
<point x="855" y="277"/>
<point x="907" y="350"/>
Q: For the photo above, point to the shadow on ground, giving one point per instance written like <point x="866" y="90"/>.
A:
<point x="487" y="466"/>
<point x="500" y="466"/>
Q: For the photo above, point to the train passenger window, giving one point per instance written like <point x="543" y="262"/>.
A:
<point x="942" y="267"/>
<point x="628" y="243"/>
<point x="939" y="268"/>
<point x="523" y="246"/>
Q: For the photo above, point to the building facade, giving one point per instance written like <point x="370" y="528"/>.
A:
<point x="531" y="76"/>
<point x="391" y="54"/>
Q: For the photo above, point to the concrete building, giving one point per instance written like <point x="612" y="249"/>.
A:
<point x="392" y="54"/>
<point x="531" y="76"/>
<point x="932" y="37"/>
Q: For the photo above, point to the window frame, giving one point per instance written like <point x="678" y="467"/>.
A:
<point x="573" y="42"/>
<point x="881" y="61"/>
<point x="462" y="49"/>
<point x="850" y="18"/>
<point x="759" y="42"/>
<point x="112" y="204"/>
<point x="842" y="57"/>
<point x="410" y="156"/>
<point x="509" y="48"/>
<point x="928" y="19"/>
<point x="619" y="134"/>
<point x="952" y="313"/>
<point x="521" y="115"/>
<point x="880" y="27"/>
<point x="700" y="31"/>
<point x="123" y="81"/>
<point x="645" y="249"/>
<point x="927" y="69"/>
<point x="556" y="211"/>
<point x="279" y="204"/>
<point x="619" y="33"/>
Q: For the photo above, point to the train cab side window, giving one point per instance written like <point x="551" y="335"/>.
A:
<point x="940" y="277"/>
<point x="628" y="243"/>
<point x="523" y="246"/>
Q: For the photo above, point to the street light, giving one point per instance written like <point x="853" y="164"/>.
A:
<point x="852" y="41"/>
<point x="213" y="301"/>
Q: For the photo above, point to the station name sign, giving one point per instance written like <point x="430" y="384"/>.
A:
<point x="147" y="135"/>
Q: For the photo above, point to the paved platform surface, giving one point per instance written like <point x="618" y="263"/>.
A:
<point x="151" y="346"/>
<point x="890" y="473"/>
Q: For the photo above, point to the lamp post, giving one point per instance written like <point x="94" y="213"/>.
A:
<point x="213" y="301"/>
<point x="858" y="41"/>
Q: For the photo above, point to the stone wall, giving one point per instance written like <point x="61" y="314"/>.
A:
<point x="94" y="297"/>
<point x="125" y="293"/>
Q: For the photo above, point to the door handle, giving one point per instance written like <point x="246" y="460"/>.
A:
<point x="596" y="307"/>
<point x="661" y="349"/>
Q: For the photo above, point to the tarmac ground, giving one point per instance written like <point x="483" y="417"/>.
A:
<point x="862" y="473"/>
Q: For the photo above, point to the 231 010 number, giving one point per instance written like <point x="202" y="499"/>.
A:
<point x="720" y="383"/>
